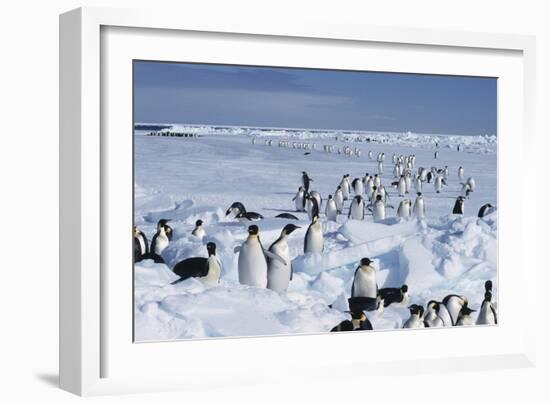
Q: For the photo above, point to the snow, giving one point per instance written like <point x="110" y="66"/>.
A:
<point x="190" y="178"/>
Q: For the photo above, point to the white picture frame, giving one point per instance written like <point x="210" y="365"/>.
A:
<point x="96" y="354"/>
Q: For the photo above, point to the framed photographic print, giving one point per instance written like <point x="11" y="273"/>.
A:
<point x="250" y="195"/>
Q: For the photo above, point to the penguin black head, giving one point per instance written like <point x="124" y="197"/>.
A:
<point x="290" y="228"/>
<point x="404" y="288"/>
<point x="378" y="197"/>
<point x="358" y="315"/>
<point x="253" y="230"/>
<point x="466" y="311"/>
<point x="211" y="248"/>
<point x="358" y="198"/>
<point x="238" y="207"/>
<point x="414" y="309"/>
<point x="198" y="223"/>
<point x="488" y="285"/>
<point x="419" y="193"/>
<point x="162" y="222"/>
<point x="365" y="261"/>
<point x="435" y="305"/>
<point x="329" y="197"/>
<point x="338" y="187"/>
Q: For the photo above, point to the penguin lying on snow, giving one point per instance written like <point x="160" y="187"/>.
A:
<point x="359" y="321"/>
<point x="485" y="209"/>
<point x="394" y="295"/>
<point x="241" y="214"/>
<point x="207" y="269"/>
<point x="287" y="216"/>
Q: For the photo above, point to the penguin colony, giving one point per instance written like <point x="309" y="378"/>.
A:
<point x="365" y="195"/>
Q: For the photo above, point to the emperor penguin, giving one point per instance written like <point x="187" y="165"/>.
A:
<point x="370" y="155"/>
<point x="487" y="313"/>
<point x="423" y="174"/>
<point x="364" y="280"/>
<point x="436" y="155"/>
<point x="396" y="171"/>
<point x="416" y="319"/>
<point x="141" y="246"/>
<point x="445" y="172"/>
<point x="485" y="209"/>
<point x="317" y="196"/>
<point x="235" y="208"/>
<point x="357" y="208"/>
<point x="377" y="181"/>
<point x="199" y="231"/>
<point x="339" y="199"/>
<point x="306" y="181"/>
<point x="314" y="241"/>
<point x="438" y="183"/>
<point x="379" y="209"/>
<point x="419" y="208"/>
<point x="459" y="205"/>
<point x="359" y="321"/>
<point x="312" y="207"/>
<point x="464" y="318"/>
<point x="160" y="240"/>
<point x="408" y="182"/>
<point x="380" y="168"/>
<point x="358" y="187"/>
<point x="465" y="190"/>
<point x="300" y="199"/>
<point x="247" y="216"/>
<point x="167" y="229"/>
<point x="460" y="173"/>
<point x="278" y="274"/>
<point x="252" y="264"/>
<point x="369" y="184"/>
<point x="402" y="186"/>
<point x="345" y="185"/>
<point x="404" y="209"/>
<point x="471" y="183"/>
<point x="208" y="270"/>
<point x="432" y="318"/>
<point x="454" y="303"/>
<point x="331" y="210"/>
<point x="398" y="295"/>
<point x="418" y="184"/>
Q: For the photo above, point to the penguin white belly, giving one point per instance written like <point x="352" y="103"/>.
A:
<point x="418" y="185"/>
<point x="214" y="272"/>
<point x="454" y="305"/>
<point x="356" y="211"/>
<point x="331" y="210"/>
<point x="199" y="232"/>
<point x="408" y="184"/>
<point x="141" y="244"/>
<point x="438" y="184"/>
<point x="252" y="265"/>
<point x="401" y="187"/>
<point x="359" y="188"/>
<point x="315" y="240"/>
<point x="161" y="243"/>
<point x="418" y="208"/>
<point x="486" y="316"/>
<point x="364" y="283"/>
<point x="404" y="209"/>
<point x="379" y="211"/>
<point x="299" y="202"/>
<point x="339" y="200"/>
<point x="345" y="190"/>
<point x="278" y="275"/>
<point x="465" y="321"/>
<point x="433" y="320"/>
<point x="413" y="322"/>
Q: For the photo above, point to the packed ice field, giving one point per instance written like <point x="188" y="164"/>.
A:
<point x="185" y="179"/>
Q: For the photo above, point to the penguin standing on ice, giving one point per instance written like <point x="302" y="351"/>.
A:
<point x="306" y="181"/>
<point x="278" y="274"/>
<point x="314" y="241"/>
<point x="345" y="185"/>
<point x="379" y="209"/>
<point x="317" y="196"/>
<point x="438" y="183"/>
<point x="300" y="199"/>
<point x="487" y="313"/>
<point x="454" y="304"/>
<point x="339" y="199"/>
<point x="252" y="264"/>
<point x="141" y="245"/>
<point x="364" y="281"/>
<point x="160" y="240"/>
<point x="459" y="205"/>
<point x="199" y="231"/>
<point x="380" y="168"/>
<point x="432" y="318"/>
<point x="331" y="210"/>
<point x="312" y="207"/>
<point x="436" y="155"/>
<point x="208" y="270"/>
<point x="357" y="208"/>
<point x="471" y="183"/>
<point x="460" y="173"/>
<point x="416" y="320"/>
<point x="404" y="209"/>
<point x="163" y="222"/>
<point x="419" y="208"/>
<point x="485" y="209"/>
<point x="401" y="186"/>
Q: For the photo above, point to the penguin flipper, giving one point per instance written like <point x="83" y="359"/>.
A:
<point x="274" y="256"/>
<point x="237" y="249"/>
<point x="494" y="314"/>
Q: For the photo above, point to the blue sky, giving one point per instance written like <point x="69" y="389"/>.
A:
<point x="306" y="98"/>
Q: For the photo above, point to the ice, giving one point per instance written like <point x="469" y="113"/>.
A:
<point x="189" y="178"/>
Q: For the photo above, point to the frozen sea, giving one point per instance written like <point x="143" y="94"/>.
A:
<point x="185" y="179"/>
